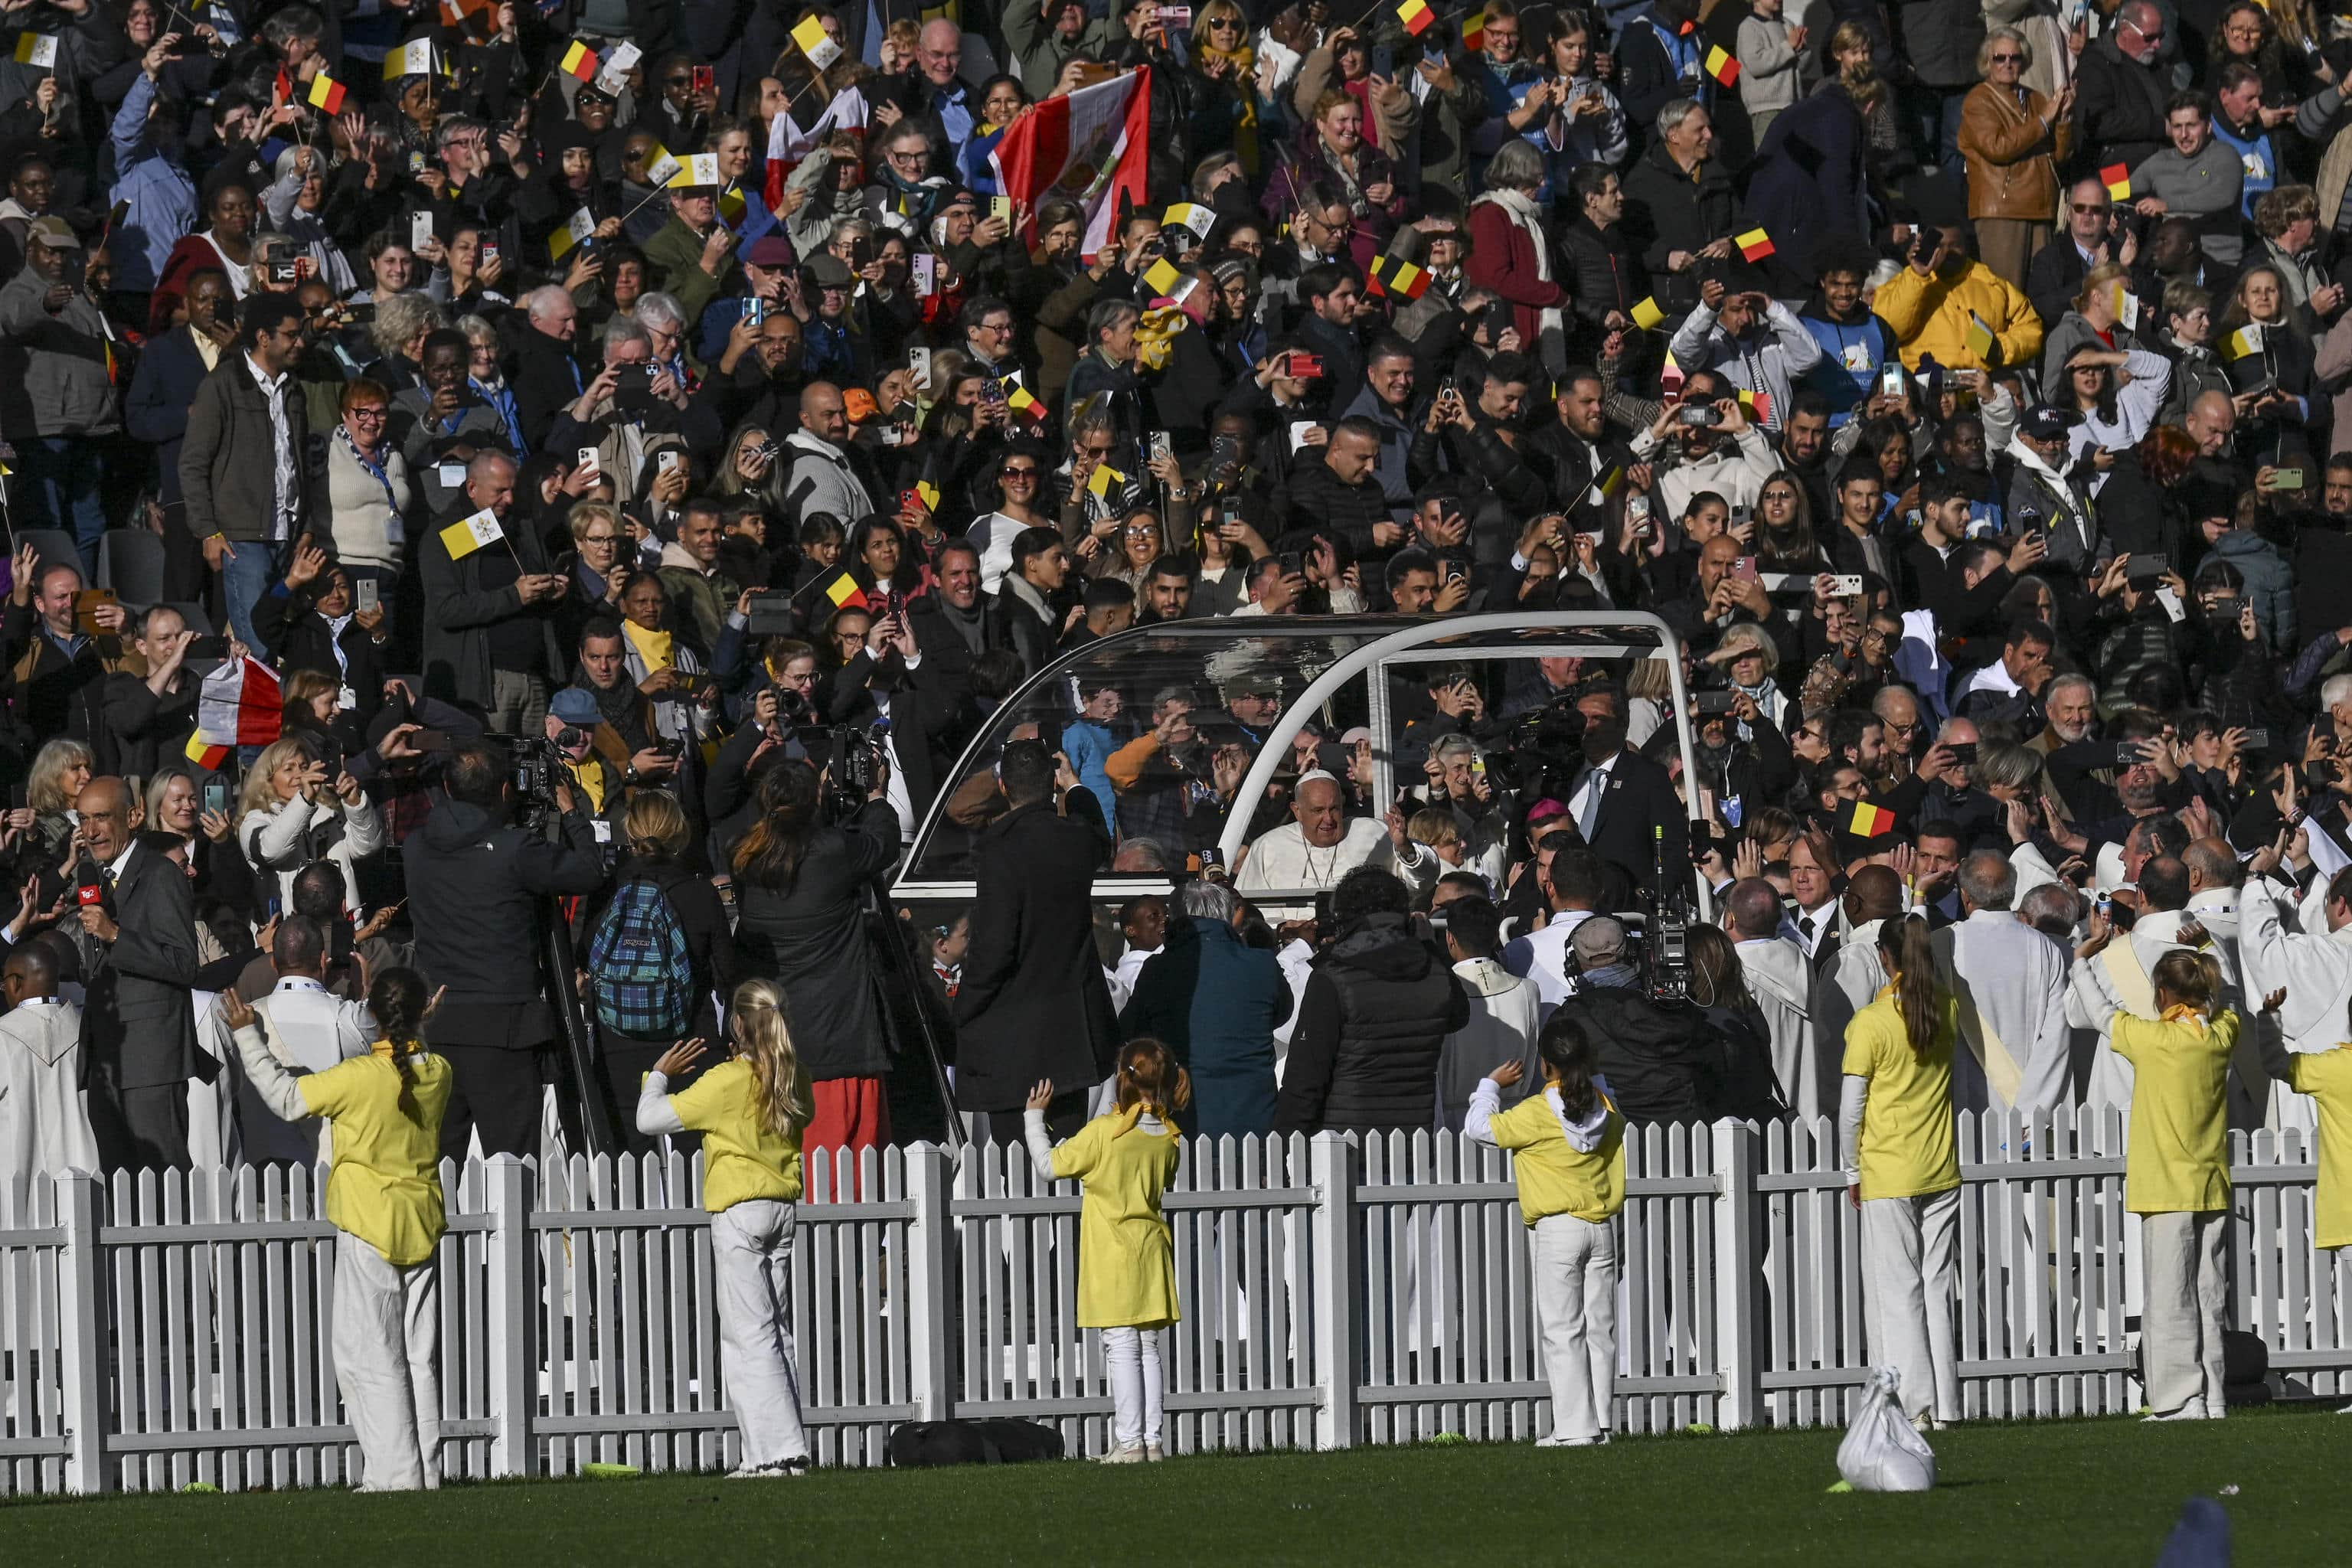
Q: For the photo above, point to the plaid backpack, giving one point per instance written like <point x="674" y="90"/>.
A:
<point x="637" y="965"/>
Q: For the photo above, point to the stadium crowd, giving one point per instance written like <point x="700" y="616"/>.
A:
<point x="495" y="471"/>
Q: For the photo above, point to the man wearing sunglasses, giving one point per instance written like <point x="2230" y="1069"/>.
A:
<point x="2093" y="237"/>
<point x="2120" y="91"/>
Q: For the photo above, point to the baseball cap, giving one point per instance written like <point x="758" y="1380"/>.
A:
<point x="1599" y="939"/>
<point x="769" y="250"/>
<point x="574" y="706"/>
<point x="53" y="232"/>
<point x="2048" y="422"/>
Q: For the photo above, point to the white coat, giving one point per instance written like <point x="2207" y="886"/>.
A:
<point x="2011" y="983"/>
<point x="44" y="1121"/>
<point x="1782" y="983"/>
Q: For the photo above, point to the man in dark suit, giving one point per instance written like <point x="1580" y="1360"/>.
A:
<point x="1033" y="1004"/>
<point x="2091" y="240"/>
<point x="951" y="629"/>
<point x="171" y="368"/>
<point x="545" y="368"/>
<point x="1624" y="803"/>
<point x="137" y="934"/>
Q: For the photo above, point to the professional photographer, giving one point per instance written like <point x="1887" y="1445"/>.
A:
<point x="477" y="887"/>
<point x="801" y="874"/>
<point x="1664" y="1063"/>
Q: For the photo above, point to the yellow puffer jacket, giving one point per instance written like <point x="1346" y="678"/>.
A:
<point x="1930" y="316"/>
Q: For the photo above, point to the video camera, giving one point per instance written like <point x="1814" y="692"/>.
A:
<point x="539" y="765"/>
<point x="1665" y="921"/>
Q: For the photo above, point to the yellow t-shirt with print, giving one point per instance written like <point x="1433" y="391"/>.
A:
<point x="743" y="1160"/>
<point x="1907" y="1147"/>
<point x="1127" y="1255"/>
<point x="2327" y="1077"/>
<point x="1554" y="1175"/>
<point x="2176" y="1159"/>
<point x="384" y="1186"/>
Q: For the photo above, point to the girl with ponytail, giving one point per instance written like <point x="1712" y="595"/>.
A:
<point x="1902" y="1170"/>
<point x="1570" y="1168"/>
<point x="750" y="1110"/>
<point x="2177" y="1178"/>
<point x="1127" y="1255"/>
<point x="383" y="1196"/>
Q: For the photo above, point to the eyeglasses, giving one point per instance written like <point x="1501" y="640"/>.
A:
<point x="1017" y="473"/>
<point x="1224" y="24"/>
<point x="1143" y="530"/>
<point x="2008" y="59"/>
<point x="587" y="539"/>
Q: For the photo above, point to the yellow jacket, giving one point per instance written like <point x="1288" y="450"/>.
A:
<point x="1930" y="316"/>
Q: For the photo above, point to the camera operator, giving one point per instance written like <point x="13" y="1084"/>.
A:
<point x="476" y="882"/>
<point x="1663" y="1063"/>
<point x="799" y="879"/>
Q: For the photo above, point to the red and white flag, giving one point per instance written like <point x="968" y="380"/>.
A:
<point x="788" y="145"/>
<point x="1089" y="146"/>
<point x="241" y="706"/>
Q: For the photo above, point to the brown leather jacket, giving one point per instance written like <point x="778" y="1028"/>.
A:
<point x="2012" y="154"/>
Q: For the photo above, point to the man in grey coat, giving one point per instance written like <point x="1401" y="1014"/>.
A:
<point x="55" y="392"/>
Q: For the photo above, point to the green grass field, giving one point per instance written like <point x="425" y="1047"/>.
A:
<point x="2074" y="1492"/>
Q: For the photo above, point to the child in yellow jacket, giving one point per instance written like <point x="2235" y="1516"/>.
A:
<point x="2177" y="1179"/>
<point x="1571" y="1169"/>
<point x="750" y="1110"/>
<point x="384" y="1195"/>
<point x="1127" y="1255"/>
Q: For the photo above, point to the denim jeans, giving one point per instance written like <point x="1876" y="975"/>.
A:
<point x="56" y="487"/>
<point x="248" y="567"/>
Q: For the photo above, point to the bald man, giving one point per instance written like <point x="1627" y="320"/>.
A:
<point x="135" y="926"/>
<point x="2121" y="87"/>
<point x="823" y="474"/>
<point x="1873" y="894"/>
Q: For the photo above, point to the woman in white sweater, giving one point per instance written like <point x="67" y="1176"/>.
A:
<point x="288" y="817"/>
<point x="363" y="505"/>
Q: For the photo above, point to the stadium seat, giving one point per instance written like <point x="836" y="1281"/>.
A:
<point x="131" y="562"/>
<point x="50" y="545"/>
<point x="194" y="614"/>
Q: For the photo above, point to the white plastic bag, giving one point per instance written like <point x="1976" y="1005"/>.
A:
<point x="1882" y="1452"/>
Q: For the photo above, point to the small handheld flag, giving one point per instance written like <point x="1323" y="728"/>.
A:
<point x="1192" y="216"/>
<point x="477" y="19"/>
<point x="1473" y="32"/>
<point x="1980" y="338"/>
<point x="1722" y="67"/>
<point x="928" y="493"/>
<point x="660" y="167"/>
<point x="206" y="757"/>
<point x="2116" y="177"/>
<point x="842" y="592"/>
<point x="1755" y="245"/>
<point x="1416" y="16"/>
<point x="2247" y="339"/>
<point x="1400" y="278"/>
<point x="576" y="228"/>
<point x="326" y="94"/>
<point x="1104" y="476"/>
<point x="1604" y="489"/>
<point x="816" y="43"/>
<point x="698" y="169"/>
<point x="38" y="49"/>
<point x="580" y="60"/>
<point x="414" y="57"/>
<point x="1868" y="821"/>
<point x="1647" y="314"/>
<point x="467" y="534"/>
<point x="1161" y="279"/>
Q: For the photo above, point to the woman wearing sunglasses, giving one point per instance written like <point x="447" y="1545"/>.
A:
<point x="2013" y="139"/>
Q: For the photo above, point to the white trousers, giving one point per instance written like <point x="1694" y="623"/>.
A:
<point x="1131" y="1359"/>
<point x="1575" y="1316"/>
<point x="387" y="1331"/>
<point x="751" y="1260"/>
<point x="1910" y="1252"/>
<point x="2187" y="1296"/>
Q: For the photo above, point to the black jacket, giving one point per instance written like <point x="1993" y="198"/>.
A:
<point x="1666" y="211"/>
<point x="475" y="890"/>
<point x="145" y="729"/>
<point x="1033" y="1004"/>
<point x="1663" y="1064"/>
<point x="2118" y="109"/>
<point x="810" y="938"/>
<point x="1638" y="811"/>
<point x="302" y="638"/>
<point x="1371" y="1024"/>
<point x="1602" y="272"/>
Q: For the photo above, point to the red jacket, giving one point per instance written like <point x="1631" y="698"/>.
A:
<point x="1502" y="258"/>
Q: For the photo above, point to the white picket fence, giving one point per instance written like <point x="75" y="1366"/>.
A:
<point x="1334" y="1293"/>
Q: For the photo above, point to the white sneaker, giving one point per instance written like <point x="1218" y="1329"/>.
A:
<point x="1125" y="1454"/>
<point x="1598" y="1440"/>
<point x="2192" y="1411"/>
<point x="1154" y="1453"/>
<point x="772" y="1471"/>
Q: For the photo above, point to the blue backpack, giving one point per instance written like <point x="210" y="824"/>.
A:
<point x="637" y="965"/>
